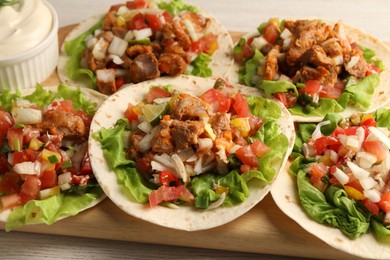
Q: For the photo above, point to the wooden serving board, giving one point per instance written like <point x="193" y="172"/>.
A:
<point x="264" y="229"/>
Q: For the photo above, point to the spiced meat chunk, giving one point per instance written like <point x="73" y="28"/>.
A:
<point x="316" y="56"/>
<point x="186" y="133"/>
<point x="62" y="122"/>
<point x="135" y="50"/>
<point x="271" y="64"/>
<point x="171" y="64"/>
<point x="105" y="81"/>
<point x="355" y="63"/>
<point x="144" y="67"/>
<point x="162" y="142"/>
<point x="188" y="107"/>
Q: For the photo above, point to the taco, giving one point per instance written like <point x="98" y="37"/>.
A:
<point x="142" y="40"/>
<point x="315" y="67"/>
<point x="45" y="174"/>
<point x="338" y="185"/>
<point x="189" y="153"/>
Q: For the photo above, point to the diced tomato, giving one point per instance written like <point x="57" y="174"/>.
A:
<point x="48" y="179"/>
<point x="219" y="101"/>
<point x="80" y="180"/>
<point x="376" y="148"/>
<point x="15" y="138"/>
<point x="372" y="69"/>
<point x="259" y="148"/>
<point x="30" y="188"/>
<point x="331" y="92"/>
<point x="371" y="206"/>
<point x="244" y="168"/>
<point x="312" y="87"/>
<point x="11" y="201"/>
<point x="318" y="169"/>
<point x="207" y="44"/>
<point x="384" y="203"/>
<point x="326" y="142"/>
<point x="167" y="17"/>
<point x="153" y="21"/>
<point x="240" y="105"/>
<point x="246" y="155"/>
<point x="317" y="182"/>
<point x="156" y="92"/>
<point x="6" y="122"/>
<point x="167" y="178"/>
<point x="119" y="82"/>
<point x="169" y="194"/>
<point x="27" y="155"/>
<point x="271" y="32"/>
<point x="30" y="133"/>
<point x="10" y="183"/>
<point x="351" y="130"/>
<point x="286" y="98"/>
<point x="136" y="4"/>
<point x="86" y="168"/>
<point x="130" y="114"/>
<point x="255" y="122"/>
<point x="368" y="120"/>
<point x="246" y="52"/>
<point x="137" y="23"/>
<point x="87" y="119"/>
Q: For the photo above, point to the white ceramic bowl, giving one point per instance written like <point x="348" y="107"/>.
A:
<point x="33" y="66"/>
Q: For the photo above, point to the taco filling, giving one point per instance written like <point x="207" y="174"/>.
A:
<point x="141" y="40"/>
<point x="342" y="170"/>
<point x="312" y="67"/>
<point x="199" y="150"/>
<point x="44" y="162"/>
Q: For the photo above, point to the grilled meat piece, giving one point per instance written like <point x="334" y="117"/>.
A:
<point x="186" y="133"/>
<point x="144" y="67"/>
<point x="271" y="63"/>
<point x="188" y="107"/>
<point x="105" y="81"/>
<point x="171" y="64"/>
<point x="163" y="143"/>
<point x="63" y="123"/>
<point x="135" y="50"/>
<point x="355" y="63"/>
<point x="316" y="56"/>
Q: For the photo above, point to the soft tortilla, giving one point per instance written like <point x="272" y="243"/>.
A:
<point x="382" y="93"/>
<point x="183" y="218"/>
<point x="222" y="58"/>
<point x="285" y="194"/>
<point x="90" y="95"/>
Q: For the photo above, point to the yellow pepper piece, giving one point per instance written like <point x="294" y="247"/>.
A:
<point x="35" y="144"/>
<point x="242" y="125"/>
<point x="354" y="193"/>
<point x="120" y="21"/>
<point x="50" y="156"/>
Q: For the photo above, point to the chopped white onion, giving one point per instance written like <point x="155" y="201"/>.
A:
<point x="122" y="11"/>
<point x="338" y="60"/>
<point x="142" y="34"/>
<point x="259" y="42"/>
<point x="162" y="100"/>
<point x="99" y="50"/>
<point x="353" y="142"/>
<point x="368" y="183"/>
<point x="46" y="193"/>
<point x="24" y="115"/>
<point x="117" y="46"/>
<point x="380" y="135"/>
<point x="186" y="154"/>
<point x="20" y="102"/>
<point x="341" y="176"/>
<point x="180" y="168"/>
<point x="334" y="156"/>
<point x="156" y="166"/>
<point x="205" y="143"/>
<point x="30" y="168"/>
<point x="91" y="41"/>
<point x="191" y="30"/>
<point x="145" y="127"/>
<point x="65" y="186"/>
<point x="317" y="131"/>
<point x="198" y="166"/>
<point x="358" y="172"/>
<point x="354" y="60"/>
<point x="64" y="178"/>
<point x="365" y="159"/>
<point x="218" y="202"/>
<point x="116" y="59"/>
<point x="146" y="142"/>
<point x="373" y="195"/>
<point x="129" y="36"/>
<point x="285" y="34"/>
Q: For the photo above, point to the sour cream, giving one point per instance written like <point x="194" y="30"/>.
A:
<point x="23" y="26"/>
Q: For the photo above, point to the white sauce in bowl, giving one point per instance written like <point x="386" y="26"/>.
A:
<point x="23" y="26"/>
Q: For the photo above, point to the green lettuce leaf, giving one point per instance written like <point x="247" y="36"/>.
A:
<point x="111" y="139"/>
<point x="248" y="70"/>
<point x="333" y="208"/>
<point x="79" y="102"/>
<point x="176" y="6"/>
<point x="49" y="210"/>
<point x="382" y="117"/>
<point x="382" y="233"/>
<point x="270" y="87"/>
<point x="201" y="66"/>
<point x="74" y="49"/>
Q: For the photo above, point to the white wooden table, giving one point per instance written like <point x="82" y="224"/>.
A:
<point x="243" y="15"/>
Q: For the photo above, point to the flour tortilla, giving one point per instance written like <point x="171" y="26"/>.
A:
<point x="382" y="92"/>
<point x="89" y="95"/>
<point x="185" y="217"/>
<point x="285" y="194"/>
<point x="222" y="58"/>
